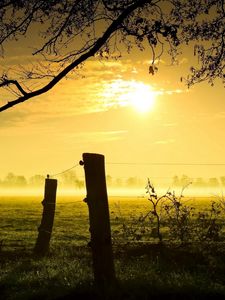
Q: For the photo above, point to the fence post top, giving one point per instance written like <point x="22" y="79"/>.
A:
<point x="50" y="180"/>
<point x="89" y="155"/>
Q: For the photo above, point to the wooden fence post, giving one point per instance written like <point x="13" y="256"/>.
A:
<point x="45" y="229"/>
<point x="97" y="200"/>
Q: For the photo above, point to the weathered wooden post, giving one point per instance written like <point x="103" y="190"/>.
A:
<point x="97" y="200"/>
<point x="45" y="229"/>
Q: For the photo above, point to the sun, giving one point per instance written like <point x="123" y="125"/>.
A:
<point x="140" y="96"/>
<point x="129" y="93"/>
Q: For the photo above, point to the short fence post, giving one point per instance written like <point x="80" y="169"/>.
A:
<point x="97" y="200"/>
<point x="45" y="229"/>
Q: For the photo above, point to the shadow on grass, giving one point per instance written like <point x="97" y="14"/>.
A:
<point x="184" y="272"/>
<point x="134" y="290"/>
<point x="144" y="271"/>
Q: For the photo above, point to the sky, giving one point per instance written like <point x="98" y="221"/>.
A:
<point x="99" y="111"/>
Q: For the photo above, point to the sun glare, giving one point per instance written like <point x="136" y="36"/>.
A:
<point x="135" y="94"/>
<point x="140" y="97"/>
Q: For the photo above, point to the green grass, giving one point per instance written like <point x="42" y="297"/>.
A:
<point x="142" y="269"/>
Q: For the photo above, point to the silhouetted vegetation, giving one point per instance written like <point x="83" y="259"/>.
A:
<point x="71" y="180"/>
<point x="106" y="29"/>
<point x="11" y="180"/>
<point x="198" y="182"/>
<point x="173" y="218"/>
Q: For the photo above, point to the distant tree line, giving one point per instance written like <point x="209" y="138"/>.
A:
<point x="125" y="182"/>
<point x="70" y="179"/>
<point x="199" y="181"/>
<point x="12" y="180"/>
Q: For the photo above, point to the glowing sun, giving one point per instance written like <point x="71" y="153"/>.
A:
<point x="129" y="93"/>
<point x="139" y="96"/>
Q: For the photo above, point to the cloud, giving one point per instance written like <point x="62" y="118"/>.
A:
<point x="82" y="88"/>
<point x="164" y="142"/>
<point x="105" y="70"/>
<point x="96" y="136"/>
<point x="148" y="62"/>
<point x="12" y="118"/>
<point x="170" y="92"/>
<point x="170" y="124"/>
<point x="77" y="95"/>
<point x="219" y="115"/>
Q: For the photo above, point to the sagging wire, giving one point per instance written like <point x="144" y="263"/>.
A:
<point x="67" y="170"/>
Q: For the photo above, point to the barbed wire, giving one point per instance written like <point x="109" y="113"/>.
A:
<point x="67" y="170"/>
<point x="165" y="164"/>
<point x="143" y="164"/>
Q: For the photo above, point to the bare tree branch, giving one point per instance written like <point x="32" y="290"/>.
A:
<point x="54" y="38"/>
<point x="99" y="43"/>
<point x="7" y="82"/>
<point x="26" y="21"/>
<point x="73" y="31"/>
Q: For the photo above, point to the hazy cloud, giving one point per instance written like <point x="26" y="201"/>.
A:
<point x="170" y="124"/>
<point x="164" y="142"/>
<point x="77" y="95"/>
<point x="220" y="115"/>
<point x="96" y="136"/>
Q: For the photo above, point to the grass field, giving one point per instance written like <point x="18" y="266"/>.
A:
<point x="143" y="268"/>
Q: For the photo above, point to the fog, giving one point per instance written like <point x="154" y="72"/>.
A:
<point x="70" y="184"/>
<point x="136" y="192"/>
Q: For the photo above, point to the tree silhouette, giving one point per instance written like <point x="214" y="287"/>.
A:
<point x="12" y="180"/>
<point x="72" y="31"/>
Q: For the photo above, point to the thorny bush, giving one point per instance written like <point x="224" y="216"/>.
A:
<point x="172" y="219"/>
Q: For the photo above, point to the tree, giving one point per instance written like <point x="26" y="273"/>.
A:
<point x="12" y="180"/>
<point x="72" y="31"/>
<point x="37" y="180"/>
<point x="176" y="181"/>
<point x="109" y="180"/>
<point x="185" y="180"/>
<point x="199" y="182"/>
<point x="69" y="178"/>
<point x="222" y="180"/>
<point x="214" y="182"/>
<point x="132" y="181"/>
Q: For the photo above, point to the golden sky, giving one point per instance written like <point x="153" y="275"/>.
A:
<point x="99" y="113"/>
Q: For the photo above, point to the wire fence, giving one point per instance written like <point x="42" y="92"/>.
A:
<point x="124" y="180"/>
<point x="134" y="175"/>
<point x="62" y="172"/>
<point x="136" y="164"/>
